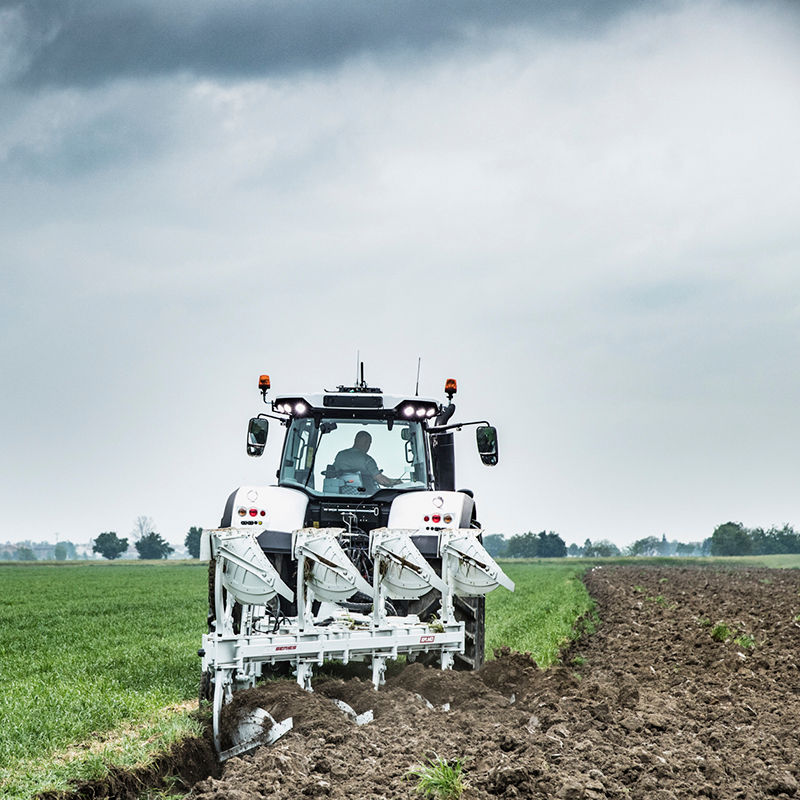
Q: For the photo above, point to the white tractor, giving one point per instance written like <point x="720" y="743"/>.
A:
<point x="363" y="551"/>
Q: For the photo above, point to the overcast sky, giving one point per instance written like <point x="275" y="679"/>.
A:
<point x="587" y="213"/>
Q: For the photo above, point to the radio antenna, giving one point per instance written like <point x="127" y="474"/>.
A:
<point x="419" y="364"/>
<point x="358" y="359"/>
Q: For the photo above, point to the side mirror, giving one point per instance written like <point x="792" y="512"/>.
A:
<point x="257" y="436"/>
<point x="487" y="444"/>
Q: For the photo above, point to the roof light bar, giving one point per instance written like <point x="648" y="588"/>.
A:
<point x="294" y="406"/>
<point x="418" y="409"/>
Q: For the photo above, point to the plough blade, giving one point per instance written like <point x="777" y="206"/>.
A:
<point x="469" y="569"/>
<point x="331" y="575"/>
<point x="405" y="574"/>
<point x="247" y="573"/>
<point x="255" y="729"/>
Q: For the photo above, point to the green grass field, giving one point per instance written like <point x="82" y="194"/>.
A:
<point x="90" y="648"/>
<point x="97" y="658"/>
<point x="540" y="615"/>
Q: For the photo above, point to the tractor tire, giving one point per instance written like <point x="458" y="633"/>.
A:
<point x="212" y="574"/>
<point x="472" y="612"/>
<point x="237" y="609"/>
<point x="469" y="610"/>
<point x="206" y="691"/>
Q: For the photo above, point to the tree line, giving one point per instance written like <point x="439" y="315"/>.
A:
<point x="548" y="544"/>
<point x="734" y="539"/>
<point x="545" y="544"/>
<point x="728" y="539"/>
<point x="148" y="543"/>
<point x="36" y="551"/>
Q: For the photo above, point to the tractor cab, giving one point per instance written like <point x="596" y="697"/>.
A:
<point x="332" y="454"/>
<point x="357" y="441"/>
<point x="354" y="451"/>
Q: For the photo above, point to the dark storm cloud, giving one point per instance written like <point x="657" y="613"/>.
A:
<point x="87" y="43"/>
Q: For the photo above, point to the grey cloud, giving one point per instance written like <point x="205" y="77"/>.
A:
<point x="88" y="43"/>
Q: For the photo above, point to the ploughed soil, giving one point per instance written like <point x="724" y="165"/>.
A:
<point x="651" y="705"/>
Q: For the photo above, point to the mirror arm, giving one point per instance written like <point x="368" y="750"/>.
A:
<point x="282" y="420"/>
<point x="457" y="426"/>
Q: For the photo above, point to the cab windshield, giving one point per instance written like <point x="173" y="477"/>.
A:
<point x="353" y="456"/>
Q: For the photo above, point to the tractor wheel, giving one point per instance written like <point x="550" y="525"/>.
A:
<point x="212" y="574"/>
<point x="472" y="612"/>
<point x="469" y="610"/>
<point x="206" y="688"/>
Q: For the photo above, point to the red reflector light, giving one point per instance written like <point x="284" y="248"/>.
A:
<point x="426" y="518"/>
<point x="253" y="512"/>
<point x="437" y="518"/>
<point x="263" y="513"/>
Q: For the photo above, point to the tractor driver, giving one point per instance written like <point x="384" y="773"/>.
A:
<point x="355" y="459"/>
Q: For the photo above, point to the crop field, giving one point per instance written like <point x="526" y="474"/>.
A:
<point x="683" y="683"/>
<point x="87" y="650"/>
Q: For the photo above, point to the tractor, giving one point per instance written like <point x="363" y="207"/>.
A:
<point x="363" y="551"/>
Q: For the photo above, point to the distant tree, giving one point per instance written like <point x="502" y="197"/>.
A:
<point x="70" y="548"/>
<point x="60" y="552"/>
<point x="761" y="543"/>
<point x="495" y="545"/>
<point x="6" y="555"/>
<point x="551" y="545"/>
<point x="25" y="553"/>
<point x="142" y="526"/>
<point x="192" y="541"/>
<point x="731" y="539"/>
<point x="649" y="546"/>
<point x="153" y="546"/>
<point x="109" y="545"/>
<point x="783" y="540"/>
<point x="601" y="549"/>
<point x="574" y="551"/>
<point x="705" y="547"/>
<point x="523" y="545"/>
<point x="688" y="548"/>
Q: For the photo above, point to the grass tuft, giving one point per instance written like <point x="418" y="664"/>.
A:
<point x="721" y="632"/>
<point x="439" y="779"/>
